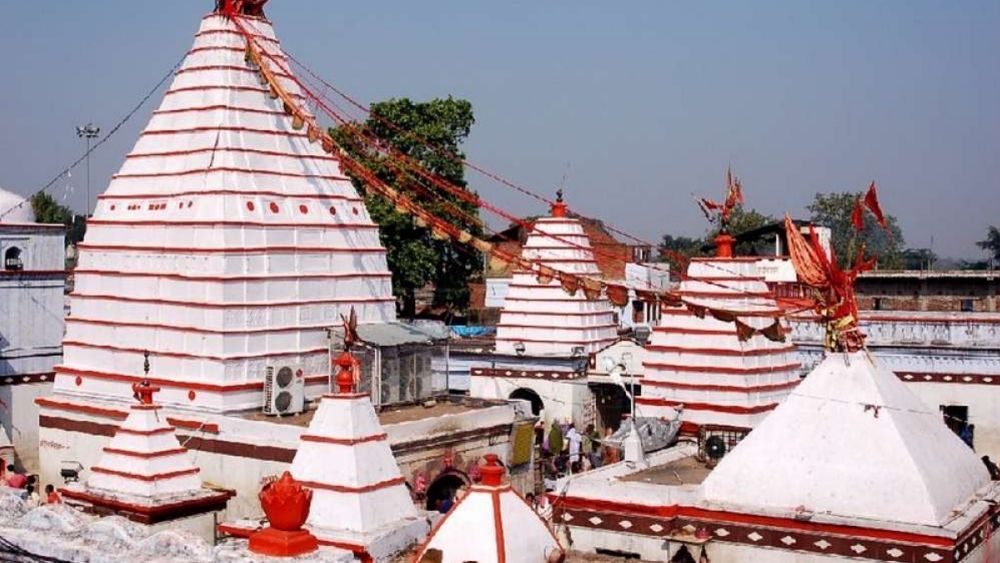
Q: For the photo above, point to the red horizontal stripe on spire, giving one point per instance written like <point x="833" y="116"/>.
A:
<point x="343" y="441"/>
<point x="349" y="489"/>
<point x="146" y="455"/>
<point x="147" y="478"/>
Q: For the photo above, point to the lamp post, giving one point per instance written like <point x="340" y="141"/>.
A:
<point x="88" y="132"/>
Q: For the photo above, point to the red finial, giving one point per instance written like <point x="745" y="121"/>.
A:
<point x="286" y="504"/>
<point x="243" y="7"/>
<point x="559" y="207"/>
<point x="345" y="379"/>
<point x="492" y="471"/>
<point x="724" y="245"/>
<point x="143" y="391"/>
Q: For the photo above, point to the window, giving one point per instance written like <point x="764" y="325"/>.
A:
<point x="968" y="305"/>
<point x="955" y="416"/>
<point x="877" y="304"/>
<point x="12" y="259"/>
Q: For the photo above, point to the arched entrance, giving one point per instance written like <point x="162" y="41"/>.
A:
<point x="526" y="394"/>
<point x="444" y="488"/>
<point x="12" y="260"/>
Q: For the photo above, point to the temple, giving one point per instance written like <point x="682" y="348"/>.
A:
<point x="235" y="386"/>
<point x="548" y="325"/>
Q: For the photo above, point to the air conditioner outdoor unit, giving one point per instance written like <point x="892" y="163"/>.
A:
<point x="284" y="391"/>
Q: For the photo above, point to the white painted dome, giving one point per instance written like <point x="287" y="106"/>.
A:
<point x="11" y="210"/>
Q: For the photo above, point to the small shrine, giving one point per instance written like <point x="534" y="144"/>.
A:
<point x="147" y="476"/>
<point x="491" y="524"/>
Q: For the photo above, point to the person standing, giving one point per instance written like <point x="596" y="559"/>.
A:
<point x="51" y="496"/>
<point x="575" y="440"/>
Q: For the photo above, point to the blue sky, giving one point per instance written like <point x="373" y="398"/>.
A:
<point x="648" y="101"/>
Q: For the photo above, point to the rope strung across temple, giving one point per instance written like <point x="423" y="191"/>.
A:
<point x="105" y="139"/>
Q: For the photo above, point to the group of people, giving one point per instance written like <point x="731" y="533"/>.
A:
<point x="28" y="484"/>
<point x="567" y="450"/>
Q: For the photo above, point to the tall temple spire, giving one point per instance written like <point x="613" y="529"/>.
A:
<point x="224" y="220"/>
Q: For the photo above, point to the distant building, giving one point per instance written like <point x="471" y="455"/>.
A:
<point x="32" y="282"/>
<point x="964" y="291"/>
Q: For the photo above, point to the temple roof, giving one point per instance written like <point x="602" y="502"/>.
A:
<point x="700" y="361"/>
<point x="491" y="524"/>
<point x="539" y="313"/>
<point x="853" y="441"/>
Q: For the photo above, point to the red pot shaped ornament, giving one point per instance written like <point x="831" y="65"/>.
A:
<point x="286" y="503"/>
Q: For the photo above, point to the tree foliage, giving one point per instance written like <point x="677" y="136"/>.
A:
<point x="991" y="244"/>
<point x="417" y="129"/>
<point x="834" y="210"/>
<point x="742" y="220"/>
<point x="48" y="210"/>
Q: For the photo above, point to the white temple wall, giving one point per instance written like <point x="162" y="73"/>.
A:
<point x="419" y="446"/>
<point x="983" y="402"/>
<point x="563" y="400"/>
<point x="20" y="420"/>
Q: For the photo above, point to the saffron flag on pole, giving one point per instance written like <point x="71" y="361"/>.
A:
<point x="871" y="202"/>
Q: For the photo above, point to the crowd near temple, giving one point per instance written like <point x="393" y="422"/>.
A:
<point x="238" y="361"/>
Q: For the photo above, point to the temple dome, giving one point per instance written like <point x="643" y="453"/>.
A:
<point x="492" y="524"/>
<point x="14" y="208"/>
<point x="851" y="441"/>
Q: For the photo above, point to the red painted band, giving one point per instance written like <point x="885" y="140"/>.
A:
<point x="146" y="455"/>
<point x="729" y="409"/>
<point x="240" y="150"/>
<point x="185" y="385"/>
<point x="348" y="489"/>
<point x="235" y="278"/>
<point x="718" y="516"/>
<point x="217" y="169"/>
<point x="723" y="370"/>
<point x="723" y="351"/>
<point x="75" y="295"/>
<point x="147" y="478"/>
<point x="232" y="250"/>
<point x="168" y="354"/>
<point x="344" y="441"/>
<point x="215" y="224"/>
<point x="723" y="388"/>
<point x="248" y="193"/>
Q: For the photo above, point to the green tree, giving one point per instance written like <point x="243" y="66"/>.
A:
<point x="741" y="221"/>
<point x="834" y="210"/>
<point x="685" y="246"/>
<point x="47" y="210"/>
<point x="919" y="259"/>
<point x="422" y="131"/>
<point x="991" y="244"/>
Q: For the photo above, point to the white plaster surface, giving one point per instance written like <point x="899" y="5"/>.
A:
<point x="827" y="449"/>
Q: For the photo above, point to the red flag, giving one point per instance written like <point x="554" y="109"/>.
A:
<point x="871" y="202"/>
<point x="858" y="215"/>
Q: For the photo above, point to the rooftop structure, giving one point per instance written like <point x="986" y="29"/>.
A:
<point x="227" y="241"/>
<point x="539" y="316"/>
<point x="700" y="361"/>
<point x="145" y="474"/>
<point x="32" y="302"/>
<point x="851" y="441"/>
<point x="491" y="524"/>
<point x="360" y="502"/>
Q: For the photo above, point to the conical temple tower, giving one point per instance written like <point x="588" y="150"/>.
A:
<point x="539" y="317"/>
<point x="697" y="360"/>
<point x="852" y="440"/>
<point x="491" y="524"/>
<point x="227" y="239"/>
<point x="360" y="500"/>
<point x="145" y="474"/>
